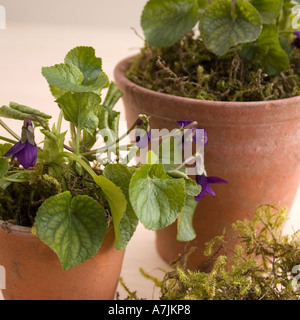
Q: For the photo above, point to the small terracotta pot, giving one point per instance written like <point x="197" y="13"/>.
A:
<point x="33" y="271"/>
<point x="255" y="146"/>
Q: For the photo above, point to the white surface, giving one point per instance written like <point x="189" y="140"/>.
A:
<point x="24" y="49"/>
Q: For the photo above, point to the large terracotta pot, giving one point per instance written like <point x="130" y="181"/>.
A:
<point x="33" y="271"/>
<point x="255" y="146"/>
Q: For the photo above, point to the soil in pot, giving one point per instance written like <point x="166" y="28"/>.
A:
<point x="252" y="145"/>
<point x="33" y="271"/>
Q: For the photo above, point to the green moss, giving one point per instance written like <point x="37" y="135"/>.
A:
<point x="20" y="202"/>
<point x="188" y="69"/>
<point x="259" y="268"/>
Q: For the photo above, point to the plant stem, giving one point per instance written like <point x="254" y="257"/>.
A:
<point x="59" y="121"/>
<point x="78" y="136"/>
<point x="44" y="125"/>
<point x="76" y="158"/>
<point x="8" y="140"/>
<point x="103" y="149"/>
<point x="9" y="130"/>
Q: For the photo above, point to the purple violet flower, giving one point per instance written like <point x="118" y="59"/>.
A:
<point x="296" y="42"/>
<point x="197" y="132"/>
<point x="25" y="150"/>
<point x="205" y="183"/>
<point x="142" y="141"/>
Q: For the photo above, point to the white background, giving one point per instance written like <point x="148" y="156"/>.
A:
<point x="40" y="33"/>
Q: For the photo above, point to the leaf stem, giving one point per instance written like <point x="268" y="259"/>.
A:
<point x="8" y="140"/>
<point x="103" y="149"/>
<point x="78" y="136"/>
<point x="76" y="158"/>
<point x="9" y="130"/>
<point x="38" y="119"/>
<point x="59" y="121"/>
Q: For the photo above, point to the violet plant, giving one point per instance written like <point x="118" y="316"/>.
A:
<point x="60" y="189"/>
<point x="261" y="30"/>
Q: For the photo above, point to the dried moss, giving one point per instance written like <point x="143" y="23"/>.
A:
<point x="188" y="69"/>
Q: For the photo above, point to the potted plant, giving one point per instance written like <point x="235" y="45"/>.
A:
<point x="68" y="210"/>
<point x="237" y="74"/>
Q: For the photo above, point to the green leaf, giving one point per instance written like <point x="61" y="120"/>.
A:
<point x="85" y="60"/>
<point x="53" y="145"/>
<point x="156" y="198"/>
<point x="68" y="77"/>
<point x="64" y="76"/>
<point x="73" y="228"/>
<point x="191" y="187"/>
<point x="202" y="3"/>
<point x="19" y="177"/>
<point x="4" y="166"/>
<point x="166" y="22"/>
<point x="112" y="96"/>
<point x="108" y="123"/>
<point x="80" y="109"/>
<point x="116" y="200"/>
<point x="222" y="26"/>
<point x="121" y="175"/>
<point x="268" y="9"/>
<point x="28" y="110"/>
<point x="185" y="230"/>
<point x="19" y="112"/>
<point x="4" y="184"/>
<point x="271" y="54"/>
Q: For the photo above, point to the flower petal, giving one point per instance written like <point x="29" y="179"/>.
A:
<point x="28" y="155"/>
<point x="215" y="180"/>
<point x="296" y="42"/>
<point x="19" y="146"/>
<point x="142" y="141"/>
<point x="210" y="190"/>
<point x="201" y="195"/>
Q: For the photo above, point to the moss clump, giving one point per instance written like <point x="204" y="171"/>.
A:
<point x="20" y="201"/>
<point x="260" y="268"/>
<point x="188" y="69"/>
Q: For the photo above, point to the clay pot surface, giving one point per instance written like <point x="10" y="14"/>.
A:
<point x="33" y="271"/>
<point x="255" y="146"/>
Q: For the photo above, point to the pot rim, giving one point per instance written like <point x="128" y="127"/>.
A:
<point x="5" y="225"/>
<point x="122" y="66"/>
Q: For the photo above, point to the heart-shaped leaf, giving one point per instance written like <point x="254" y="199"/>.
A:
<point x="85" y="60"/>
<point x="80" y="109"/>
<point x="165" y="22"/>
<point x="73" y="228"/>
<point x="270" y="52"/>
<point x="223" y="26"/>
<point x="268" y="9"/>
<point x="156" y="198"/>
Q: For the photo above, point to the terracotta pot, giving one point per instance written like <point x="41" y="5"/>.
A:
<point x="33" y="271"/>
<point x="255" y="146"/>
